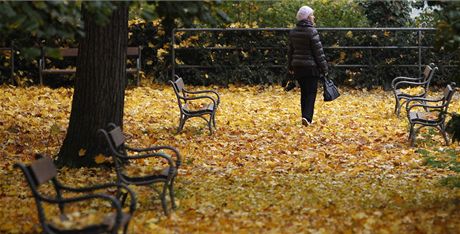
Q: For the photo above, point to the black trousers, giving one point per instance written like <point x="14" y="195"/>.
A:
<point x="308" y="81"/>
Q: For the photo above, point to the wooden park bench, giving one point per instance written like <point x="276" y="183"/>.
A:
<point x="429" y="113"/>
<point x="43" y="171"/>
<point x="185" y="98"/>
<point x="422" y="82"/>
<point x="122" y="155"/>
<point x="44" y="69"/>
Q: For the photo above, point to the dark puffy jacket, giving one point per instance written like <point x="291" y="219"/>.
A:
<point x="305" y="48"/>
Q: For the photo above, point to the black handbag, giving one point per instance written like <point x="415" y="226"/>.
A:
<point x="289" y="82"/>
<point x="330" y="90"/>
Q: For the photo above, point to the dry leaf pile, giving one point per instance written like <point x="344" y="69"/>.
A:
<point x="261" y="172"/>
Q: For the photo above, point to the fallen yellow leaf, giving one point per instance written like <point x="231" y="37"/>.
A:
<point x="81" y="152"/>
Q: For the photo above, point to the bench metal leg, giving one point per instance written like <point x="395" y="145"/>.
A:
<point x="181" y="123"/>
<point x="163" y="199"/>
<point x="210" y="124"/>
<point x="162" y="194"/>
<point x="214" y="119"/>
<point x="122" y="196"/>
<point x="413" y="132"/>
<point x="399" y="104"/>
<point x="412" y="135"/>
<point x="171" y="193"/>
<point x="442" y="130"/>
<point x="396" y="106"/>
<point x="125" y="228"/>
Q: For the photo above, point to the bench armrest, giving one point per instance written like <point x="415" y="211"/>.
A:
<point x="205" y="91"/>
<point x="427" y="106"/>
<point x="172" y="168"/>
<point x="410" y="83"/>
<point x="403" y="78"/>
<point x="132" y="206"/>
<point x="409" y="108"/>
<point x="422" y="102"/>
<point x="161" y="147"/>
<point x="421" y="99"/>
<point x="199" y="97"/>
<point x="115" y="203"/>
<point x="151" y="155"/>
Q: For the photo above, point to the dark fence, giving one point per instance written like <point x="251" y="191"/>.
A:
<point x="357" y="56"/>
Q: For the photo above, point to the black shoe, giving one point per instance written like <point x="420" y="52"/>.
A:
<point x="290" y="86"/>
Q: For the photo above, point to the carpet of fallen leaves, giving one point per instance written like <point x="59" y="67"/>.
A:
<point x="352" y="171"/>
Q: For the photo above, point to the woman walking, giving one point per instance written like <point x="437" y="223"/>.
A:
<point x="306" y="60"/>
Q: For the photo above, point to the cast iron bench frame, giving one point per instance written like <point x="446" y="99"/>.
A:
<point x="421" y="118"/>
<point x="402" y="81"/>
<point x="122" y="154"/>
<point x="184" y="96"/>
<point x="43" y="171"/>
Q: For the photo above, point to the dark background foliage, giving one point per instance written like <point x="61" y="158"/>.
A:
<point x="248" y="57"/>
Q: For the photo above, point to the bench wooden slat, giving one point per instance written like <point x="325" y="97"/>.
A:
<point x="59" y="71"/>
<point x="68" y="52"/>
<point x="132" y="51"/>
<point x="71" y="71"/>
<point x="117" y="137"/>
<point x="131" y="70"/>
<point x="179" y="84"/>
<point x="43" y="170"/>
<point x="73" y="52"/>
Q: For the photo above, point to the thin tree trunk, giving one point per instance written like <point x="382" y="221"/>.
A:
<point x="99" y="88"/>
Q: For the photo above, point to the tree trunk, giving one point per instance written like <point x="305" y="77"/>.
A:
<point x="98" y="97"/>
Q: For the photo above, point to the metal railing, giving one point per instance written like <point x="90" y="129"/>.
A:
<point x="417" y="44"/>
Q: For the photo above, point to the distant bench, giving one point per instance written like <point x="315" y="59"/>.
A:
<point x="73" y="52"/>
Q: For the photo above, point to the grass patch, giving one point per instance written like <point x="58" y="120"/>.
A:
<point x="443" y="158"/>
<point x="451" y="181"/>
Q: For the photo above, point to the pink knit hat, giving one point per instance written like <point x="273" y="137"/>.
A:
<point x="304" y="12"/>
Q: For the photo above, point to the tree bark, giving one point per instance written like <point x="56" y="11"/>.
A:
<point x="98" y="97"/>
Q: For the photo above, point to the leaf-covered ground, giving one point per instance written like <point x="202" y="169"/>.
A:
<point x="352" y="171"/>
